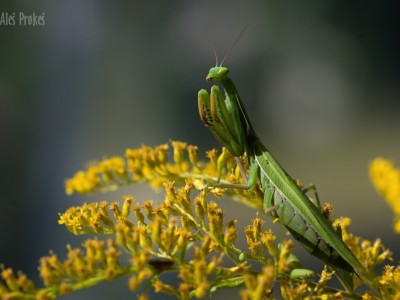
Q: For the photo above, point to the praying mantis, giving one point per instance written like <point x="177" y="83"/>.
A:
<point x="228" y="120"/>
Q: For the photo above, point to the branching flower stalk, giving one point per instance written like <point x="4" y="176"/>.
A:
<point x="187" y="234"/>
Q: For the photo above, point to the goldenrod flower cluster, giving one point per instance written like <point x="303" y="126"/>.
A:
<point x="152" y="165"/>
<point x="162" y="235"/>
<point x="156" y="166"/>
<point x="390" y="282"/>
<point x="82" y="268"/>
<point x="187" y="233"/>
<point x="386" y="179"/>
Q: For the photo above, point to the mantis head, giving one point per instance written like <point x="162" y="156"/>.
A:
<point x="217" y="73"/>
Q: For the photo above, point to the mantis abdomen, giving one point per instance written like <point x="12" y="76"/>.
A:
<point x="299" y="215"/>
<point x="302" y="231"/>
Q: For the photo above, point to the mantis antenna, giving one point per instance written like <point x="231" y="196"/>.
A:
<point x="234" y="44"/>
<point x="230" y="49"/>
<point x="207" y="33"/>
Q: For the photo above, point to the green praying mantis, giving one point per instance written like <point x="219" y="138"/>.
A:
<point x="228" y="120"/>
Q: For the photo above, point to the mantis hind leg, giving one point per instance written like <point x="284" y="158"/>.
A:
<point x="248" y="180"/>
<point x="241" y="169"/>
<point x="312" y="187"/>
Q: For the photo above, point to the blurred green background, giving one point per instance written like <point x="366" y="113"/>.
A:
<point x="320" y="80"/>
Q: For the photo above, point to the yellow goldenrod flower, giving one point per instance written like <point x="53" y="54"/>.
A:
<point x="284" y="254"/>
<point x="193" y="157"/>
<point x="268" y="239"/>
<point x="184" y="290"/>
<point x="202" y="290"/>
<point x="259" y="286"/>
<point x="142" y="297"/>
<point x="200" y="205"/>
<point x="255" y="248"/>
<point x="215" y="217"/>
<point x="230" y="233"/>
<point x="179" y="152"/>
<point x="161" y="287"/>
<point x="256" y="224"/>
<point x="134" y="283"/>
